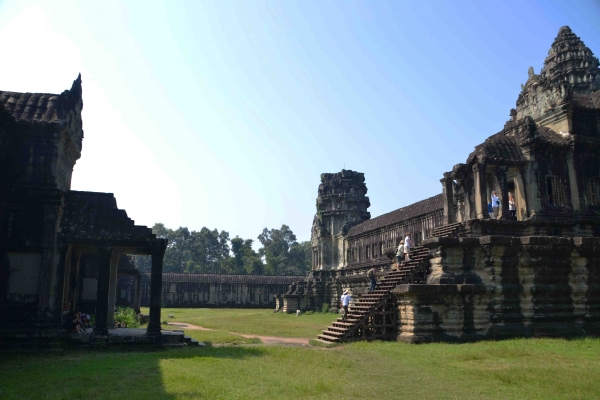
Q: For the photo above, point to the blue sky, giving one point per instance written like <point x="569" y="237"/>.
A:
<point x="224" y="113"/>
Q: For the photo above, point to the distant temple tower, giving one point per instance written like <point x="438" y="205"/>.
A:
<point x="341" y="204"/>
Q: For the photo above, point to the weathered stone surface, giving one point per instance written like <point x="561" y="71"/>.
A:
<point x="46" y="229"/>
<point x="531" y="274"/>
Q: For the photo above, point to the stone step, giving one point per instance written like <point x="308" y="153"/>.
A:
<point x="337" y="329"/>
<point x="328" y="338"/>
<point x="333" y="334"/>
<point x="343" y="324"/>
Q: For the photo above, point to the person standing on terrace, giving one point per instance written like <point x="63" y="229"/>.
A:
<point x="495" y="204"/>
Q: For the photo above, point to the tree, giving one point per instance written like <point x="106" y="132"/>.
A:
<point x="282" y="253"/>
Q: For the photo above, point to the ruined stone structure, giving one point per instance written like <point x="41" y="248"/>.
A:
<point x="186" y="290"/>
<point x="474" y="276"/>
<point x="58" y="246"/>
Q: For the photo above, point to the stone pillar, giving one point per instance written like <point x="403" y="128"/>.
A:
<point x="573" y="184"/>
<point x="60" y="285"/>
<point x="104" y="258"/>
<point x="73" y="296"/>
<point x="480" y="191"/>
<point x="112" y="289"/>
<point x="501" y="176"/>
<point x="157" y="253"/>
<point x="137" y="297"/>
<point x="448" y="195"/>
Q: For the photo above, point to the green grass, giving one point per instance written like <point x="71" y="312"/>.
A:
<point x="515" y="369"/>
<point x="512" y="369"/>
<point x="220" y="338"/>
<point x="252" y="321"/>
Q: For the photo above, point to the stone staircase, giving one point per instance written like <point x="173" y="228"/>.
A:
<point x="450" y="230"/>
<point x="374" y="315"/>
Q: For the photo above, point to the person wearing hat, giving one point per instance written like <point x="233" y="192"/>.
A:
<point x="400" y="252"/>
<point x="345" y="301"/>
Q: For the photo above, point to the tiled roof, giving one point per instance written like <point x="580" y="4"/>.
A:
<point x="417" y="209"/>
<point x="498" y="147"/>
<point x="41" y="107"/>
<point x="172" y="277"/>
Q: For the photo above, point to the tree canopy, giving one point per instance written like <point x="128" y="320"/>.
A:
<point x="211" y="251"/>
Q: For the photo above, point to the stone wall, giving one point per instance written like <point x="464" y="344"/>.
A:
<point x="495" y="287"/>
<point x="215" y="290"/>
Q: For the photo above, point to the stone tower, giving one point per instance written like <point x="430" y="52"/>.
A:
<point x="341" y="204"/>
<point x="570" y="78"/>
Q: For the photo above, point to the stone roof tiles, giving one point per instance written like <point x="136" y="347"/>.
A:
<point x="42" y="107"/>
<point x="498" y="147"/>
<point x="414" y="210"/>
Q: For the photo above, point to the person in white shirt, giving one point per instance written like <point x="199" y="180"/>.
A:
<point x="511" y="207"/>
<point x="345" y="300"/>
<point x="408" y="244"/>
<point x="495" y="204"/>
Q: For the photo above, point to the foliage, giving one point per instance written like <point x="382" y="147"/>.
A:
<point x="125" y="317"/>
<point x="283" y="254"/>
<point x="211" y="251"/>
<point x="325" y="308"/>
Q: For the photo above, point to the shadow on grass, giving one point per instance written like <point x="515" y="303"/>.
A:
<point x="101" y="373"/>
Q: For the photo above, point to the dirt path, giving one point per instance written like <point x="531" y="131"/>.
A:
<point x="267" y="340"/>
<point x="190" y="327"/>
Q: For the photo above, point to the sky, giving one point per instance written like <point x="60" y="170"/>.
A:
<point x="225" y="113"/>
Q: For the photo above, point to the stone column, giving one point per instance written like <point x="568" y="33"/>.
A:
<point x="112" y="289"/>
<point x="480" y="191"/>
<point x="60" y="283"/>
<point x="501" y="176"/>
<point x="73" y="291"/>
<point x="448" y="195"/>
<point x="137" y="297"/>
<point x="104" y="258"/>
<point x="573" y="184"/>
<point x="157" y="253"/>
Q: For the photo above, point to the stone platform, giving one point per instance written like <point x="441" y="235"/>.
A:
<point x="38" y="339"/>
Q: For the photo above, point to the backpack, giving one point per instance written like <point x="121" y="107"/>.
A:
<point x="490" y="209"/>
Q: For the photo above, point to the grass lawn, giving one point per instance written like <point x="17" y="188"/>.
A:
<point x="512" y="369"/>
<point x="251" y="321"/>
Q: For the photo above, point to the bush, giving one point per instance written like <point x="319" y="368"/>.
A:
<point x="325" y="308"/>
<point x="125" y="317"/>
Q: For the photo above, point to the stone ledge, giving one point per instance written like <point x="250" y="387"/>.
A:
<point x="432" y="243"/>
<point x="435" y="289"/>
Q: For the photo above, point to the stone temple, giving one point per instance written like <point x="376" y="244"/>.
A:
<point x="59" y="248"/>
<point x="474" y="276"/>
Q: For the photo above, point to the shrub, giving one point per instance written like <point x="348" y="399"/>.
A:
<point x="325" y="308"/>
<point x="125" y="317"/>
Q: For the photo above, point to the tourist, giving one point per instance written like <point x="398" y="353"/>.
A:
<point x="71" y="323"/>
<point x="408" y="244"/>
<point x="371" y="275"/>
<point x="85" y="321"/>
<point x="511" y="207"/>
<point x="495" y="204"/>
<point x="65" y="310"/>
<point x="345" y="301"/>
<point x="400" y="252"/>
